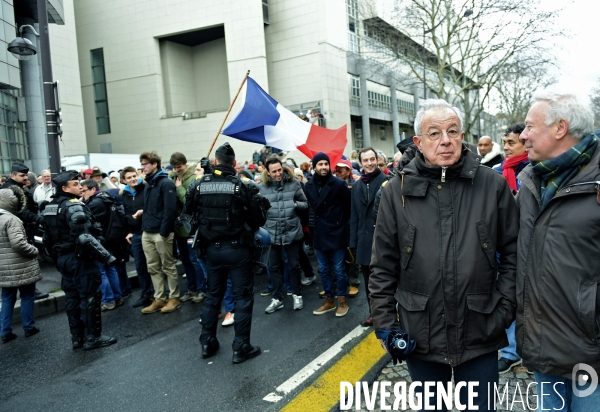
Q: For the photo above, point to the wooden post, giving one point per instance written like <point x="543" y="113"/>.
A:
<point x="227" y="114"/>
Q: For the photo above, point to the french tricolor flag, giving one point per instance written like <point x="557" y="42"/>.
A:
<point x="260" y="119"/>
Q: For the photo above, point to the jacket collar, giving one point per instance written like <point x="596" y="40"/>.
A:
<point x="585" y="181"/>
<point x="416" y="183"/>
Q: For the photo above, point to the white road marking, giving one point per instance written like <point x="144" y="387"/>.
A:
<point x="304" y="373"/>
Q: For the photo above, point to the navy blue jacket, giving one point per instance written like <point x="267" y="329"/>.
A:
<point x="132" y="203"/>
<point x="332" y="212"/>
<point x="160" y="203"/>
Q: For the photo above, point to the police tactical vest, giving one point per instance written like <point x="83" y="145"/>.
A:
<point x="220" y="208"/>
<point x="56" y="227"/>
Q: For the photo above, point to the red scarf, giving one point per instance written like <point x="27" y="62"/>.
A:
<point x="509" y="167"/>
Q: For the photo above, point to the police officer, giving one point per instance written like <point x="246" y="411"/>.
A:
<point x="227" y="211"/>
<point x="70" y="231"/>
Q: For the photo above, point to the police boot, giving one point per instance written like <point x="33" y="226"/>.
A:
<point x="245" y="351"/>
<point x="210" y="348"/>
<point x="93" y="324"/>
<point x="77" y="337"/>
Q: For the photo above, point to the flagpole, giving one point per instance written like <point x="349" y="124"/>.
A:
<point x="227" y="114"/>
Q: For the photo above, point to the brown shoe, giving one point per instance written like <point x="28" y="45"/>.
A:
<point x="367" y="322"/>
<point x="327" y="306"/>
<point x="154" y="307"/>
<point x="171" y="306"/>
<point x="342" y="309"/>
<point x="352" y="291"/>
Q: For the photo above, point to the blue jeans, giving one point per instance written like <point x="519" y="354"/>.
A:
<point x="228" y="297"/>
<point x="193" y="271"/>
<point x="557" y="394"/>
<point x="110" y="286"/>
<point x="199" y="269"/>
<point x="9" y="297"/>
<point x="327" y="260"/>
<point x="482" y="369"/>
<point x="124" y="284"/>
<point x="510" y="352"/>
<point x="141" y="268"/>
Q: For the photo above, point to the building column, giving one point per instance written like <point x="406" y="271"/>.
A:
<point x="395" y="121"/>
<point x="32" y="90"/>
<point x="364" y="105"/>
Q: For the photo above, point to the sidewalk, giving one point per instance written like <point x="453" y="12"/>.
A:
<point x="517" y="376"/>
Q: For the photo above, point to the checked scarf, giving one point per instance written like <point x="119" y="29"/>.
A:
<point x="557" y="172"/>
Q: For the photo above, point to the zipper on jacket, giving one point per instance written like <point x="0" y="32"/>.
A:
<point x="444" y="173"/>
<point x="368" y="194"/>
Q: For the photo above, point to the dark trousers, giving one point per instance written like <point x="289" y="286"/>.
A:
<point x="482" y="369"/>
<point x="234" y="261"/>
<point x="190" y="271"/>
<point x="141" y="267"/>
<point x="305" y="262"/>
<point x="80" y="282"/>
<point x="275" y="261"/>
<point x="366" y="272"/>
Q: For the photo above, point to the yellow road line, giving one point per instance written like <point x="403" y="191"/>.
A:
<point x="324" y="393"/>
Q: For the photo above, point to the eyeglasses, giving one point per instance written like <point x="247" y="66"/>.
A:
<point x="437" y="134"/>
<point x="144" y="164"/>
<point x="381" y="164"/>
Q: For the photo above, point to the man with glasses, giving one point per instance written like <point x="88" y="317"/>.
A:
<point x="158" y="224"/>
<point x="434" y="272"/>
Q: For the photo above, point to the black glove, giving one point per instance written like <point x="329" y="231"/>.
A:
<point x="205" y="164"/>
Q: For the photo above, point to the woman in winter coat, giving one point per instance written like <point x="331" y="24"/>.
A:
<point x="19" y="269"/>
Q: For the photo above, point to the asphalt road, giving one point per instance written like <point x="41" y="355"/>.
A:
<point x="157" y="361"/>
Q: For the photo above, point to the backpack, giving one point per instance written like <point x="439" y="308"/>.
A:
<point x="117" y="228"/>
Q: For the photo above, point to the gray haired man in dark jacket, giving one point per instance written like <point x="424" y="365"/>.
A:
<point x="440" y="223"/>
<point x="558" y="270"/>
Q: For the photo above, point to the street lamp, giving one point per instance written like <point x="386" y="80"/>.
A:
<point x="21" y="47"/>
<point x="467" y="13"/>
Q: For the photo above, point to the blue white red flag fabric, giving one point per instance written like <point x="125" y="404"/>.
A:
<point x="260" y="119"/>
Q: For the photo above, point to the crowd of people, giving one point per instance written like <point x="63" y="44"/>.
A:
<point x="468" y="251"/>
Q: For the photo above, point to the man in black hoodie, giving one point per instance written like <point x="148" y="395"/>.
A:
<point x="133" y="201"/>
<point x="158" y="222"/>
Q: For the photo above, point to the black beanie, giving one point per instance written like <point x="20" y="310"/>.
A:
<point x="226" y="152"/>
<point x="318" y="157"/>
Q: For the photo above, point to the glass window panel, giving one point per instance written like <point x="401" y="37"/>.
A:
<point x="103" y="125"/>
<point x="100" y="91"/>
<point x="11" y="134"/>
<point x="101" y="109"/>
<point x="98" y="74"/>
<point x="4" y="149"/>
<point x="3" y="134"/>
<point x="2" y="116"/>
<point x="97" y="56"/>
<point x="6" y="166"/>
<point x="26" y="152"/>
<point x="12" y="151"/>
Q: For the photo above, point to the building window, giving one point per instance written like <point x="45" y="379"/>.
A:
<point x="379" y="101"/>
<point x="352" y="11"/>
<point x="100" y="97"/>
<point x="13" y="135"/>
<point x="265" y="5"/>
<point x="406" y="107"/>
<point x="358" y="137"/>
<point x="354" y="90"/>
<point x="381" y="132"/>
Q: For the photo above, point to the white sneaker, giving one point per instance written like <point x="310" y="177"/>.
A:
<point x="228" y="319"/>
<point x="276" y="304"/>
<point x="298" y="302"/>
<point x="308" y="281"/>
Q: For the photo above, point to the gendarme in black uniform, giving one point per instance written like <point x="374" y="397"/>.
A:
<point x="227" y="210"/>
<point x="70" y="231"/>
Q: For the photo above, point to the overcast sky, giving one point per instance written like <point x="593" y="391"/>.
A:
<point x="578" y="56"/>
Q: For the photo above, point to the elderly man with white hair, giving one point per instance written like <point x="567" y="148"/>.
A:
<point x="434" y="273"/>
<point x="45" y="190"/>
<point x="558" y="269"/>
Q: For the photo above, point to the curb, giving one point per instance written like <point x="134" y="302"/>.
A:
<point x="57" y="300"/>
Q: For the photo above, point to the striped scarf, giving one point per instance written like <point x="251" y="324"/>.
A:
<point x="557" y="172"/>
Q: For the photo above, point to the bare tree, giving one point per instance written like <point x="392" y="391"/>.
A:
<point x="457" y="48"/>
<point x="517" y="81"/>
<point x="595" y="100"/>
